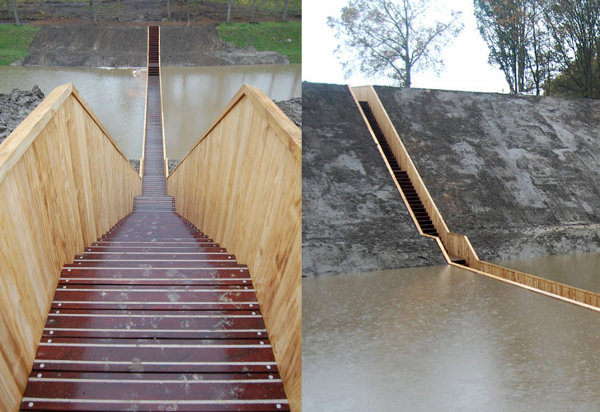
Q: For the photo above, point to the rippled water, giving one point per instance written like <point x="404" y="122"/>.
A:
<point x="193" y="96"/>
<point x="441" y="338"/>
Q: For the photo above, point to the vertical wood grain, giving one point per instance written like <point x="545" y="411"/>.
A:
<point x="63" y="182"/>
<point x="241" y="184"/>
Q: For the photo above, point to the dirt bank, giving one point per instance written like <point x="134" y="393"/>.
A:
<point x="16" y="106"/>
<point x="519" y="175"/>
<point x="353" y="218"/>
<point x="96" y="45"/>
<point x="293" y="109"/>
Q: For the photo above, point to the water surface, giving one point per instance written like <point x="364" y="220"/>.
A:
<point x="441" y="338"/>
<point x="116" y="96"/>
<point x="192" y="96"/>
<point x="579" y="270"/>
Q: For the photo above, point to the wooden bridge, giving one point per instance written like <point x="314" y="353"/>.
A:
<point x="155" y="314"/>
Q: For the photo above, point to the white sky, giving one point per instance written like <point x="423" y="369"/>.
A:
<point x="466" y="58"/>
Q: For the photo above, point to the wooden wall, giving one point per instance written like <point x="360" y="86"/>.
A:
<point x="453" y="244"/>
<point x="241" y="184"/>
<point x="63" y="183"/>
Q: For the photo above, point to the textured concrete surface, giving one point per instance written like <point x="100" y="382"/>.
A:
<point x="96" y="45"/>
<point x="353" y="218"/>
<point x="519" y="175"/>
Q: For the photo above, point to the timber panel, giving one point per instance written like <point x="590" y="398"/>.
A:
<point x="242" y="184"/>
<point x="57" y="196"/>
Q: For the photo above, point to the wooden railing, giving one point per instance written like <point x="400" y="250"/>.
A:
<point x="455" y="245"/>
<point x="63" y="183"/>
<point x="241" y="184"/>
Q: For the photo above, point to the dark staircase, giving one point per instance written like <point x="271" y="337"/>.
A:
<point x="401" y="176"/>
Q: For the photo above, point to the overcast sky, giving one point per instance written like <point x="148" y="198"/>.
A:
<point x="466" y="58"/>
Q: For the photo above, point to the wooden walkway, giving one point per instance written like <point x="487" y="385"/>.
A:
<point x="154" y="315"/>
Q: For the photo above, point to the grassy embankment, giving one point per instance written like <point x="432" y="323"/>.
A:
<point x="284" y="38"/>
<point x="15" y="41"/>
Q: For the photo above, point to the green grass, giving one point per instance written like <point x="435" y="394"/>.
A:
<point x="15" y="41"/>
<point x="284" y="38"/>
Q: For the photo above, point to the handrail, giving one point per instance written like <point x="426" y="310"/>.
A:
<point x="63" y="183"/>
<point x="241" y="183"/>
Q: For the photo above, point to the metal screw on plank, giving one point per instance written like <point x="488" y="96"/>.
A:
<point x="30" y="404"/>
<point x="39" y="375"/>
<point x="270" y="376"/>
<point x="52" y="332"/>
<point x="258" y="333"/>
<point x="49" y="340"/>
<point x="278" y="406"/>
<point x="42" y="365"/>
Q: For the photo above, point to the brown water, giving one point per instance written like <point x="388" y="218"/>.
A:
<point x="444" y="339"/>
<point x="579" y="270"/>
<point x="193" y="96"/>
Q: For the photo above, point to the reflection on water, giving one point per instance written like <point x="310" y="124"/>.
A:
<point x="193" y="96"/>
<point x="579" y="270"/>
<point x="115" y="96"/>
<point x="441" y="338"/>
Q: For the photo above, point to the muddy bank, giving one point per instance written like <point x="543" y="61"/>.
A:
<point x="293" y="109"/>
<point x="353" y="218"/>
<point x="16" y="106"/>
<point x="520" y="176"/>
<point x="95" y="45"/>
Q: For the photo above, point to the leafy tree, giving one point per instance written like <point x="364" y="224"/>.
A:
<point x="392" y="37"/>
<point x="516" y="35"/>
<point x="575" y="29"/>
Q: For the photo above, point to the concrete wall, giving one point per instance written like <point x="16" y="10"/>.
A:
<point x="353" y="218"/>
<point x="519" y="175"/>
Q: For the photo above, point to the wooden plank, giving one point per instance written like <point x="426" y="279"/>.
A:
<point x="249" y="165"/>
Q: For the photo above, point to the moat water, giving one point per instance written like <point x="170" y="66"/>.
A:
<point x="445" y="339"/>
<point x="192" y="96"/>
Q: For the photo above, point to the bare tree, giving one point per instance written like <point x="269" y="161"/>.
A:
<point x="169" y="10"/>
<point x="285" y="10"/>
<point x="93" y="7"/>
<point x="252" y="10"/>
<point x="119" y="10"/>
<point x="229" y="3"/>
<point x="15" y="11"/>
<point x="394" y="38"/>
<point x="187" y="8"/>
